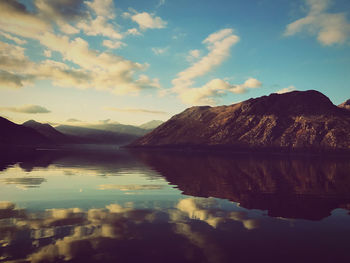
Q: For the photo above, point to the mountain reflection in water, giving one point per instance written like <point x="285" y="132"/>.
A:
<point x="130" y="211"/>
<point x="292" y="188"/>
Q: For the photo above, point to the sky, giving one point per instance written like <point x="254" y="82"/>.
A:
<point x="74" y="61"/>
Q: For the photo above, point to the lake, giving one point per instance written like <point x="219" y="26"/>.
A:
<point x="111" y="205"/>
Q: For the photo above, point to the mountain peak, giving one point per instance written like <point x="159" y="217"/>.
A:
<point x="294" y="120"/>
<point x="310" y="102"/>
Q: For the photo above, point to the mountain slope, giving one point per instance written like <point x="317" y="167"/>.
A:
<point x="48" y="131"/>
<point x="292" y="121"/>
<point x="151" y="125"/>
<point x="12" y="134"/>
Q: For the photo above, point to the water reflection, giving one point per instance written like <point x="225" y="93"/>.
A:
<point x="292" y="188"/>
<point x="122" y="206"/>
<point x="116" y="233"/>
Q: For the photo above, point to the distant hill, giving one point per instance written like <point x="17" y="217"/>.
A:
<point x="119" y="128"/>
<point x="96" y="135"/>
<point x="291" y="121"/>
<point x="49" y="132"/>
<point x="151" y="125"/>
<point x="345" y="105"/>
<point x="19" y="135"/>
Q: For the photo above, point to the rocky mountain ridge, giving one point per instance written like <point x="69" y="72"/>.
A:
<point x="292" y="121"/>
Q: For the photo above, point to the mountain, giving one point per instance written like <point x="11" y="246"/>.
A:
<point x="345" y="105"/>
<point x="96" y="136"/>
<point x="294" y="121"/>
<point x="119" y="128"/>
<point x="48" y="131"/>
<point x="12" y="134"/>
<point x="151" y="125"/>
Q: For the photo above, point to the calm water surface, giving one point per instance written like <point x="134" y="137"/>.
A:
<point x="120" y="206"/>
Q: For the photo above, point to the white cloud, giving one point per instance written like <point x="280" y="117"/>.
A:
<point x="218" y="44"/>
<point x="193" y="55"/>
<point x="113" y="44"/>
<point x="330" y="28"/>
<point x="215" y="89"/>
<point x="133" y="31"/>
<point x="159" y="51"/>
<point x="103" y="8"/>
<point x="148" y="21"/>
<point x="285" y="90"/>
<point x="99" y="26"/>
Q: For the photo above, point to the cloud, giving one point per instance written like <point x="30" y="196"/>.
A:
<point x="17" y="20"/>
<point x="193" y="55"/>
<point x="113" y="44"/>
<point x="130" y="187"/>
<point x="134" y="110"/>
<point x="32" y="109"/>
<point x="285" y="90"/>
<point x="159" y="51"/>
<point x="90" y="68"/>
<point x="99" y="26"/>
<point x="103" y="8"/>
<point x="215" y="89"/>
<point x="148" y="21"/>
<point x="73" y="120"/>
<point x="47" y="53"/>
<point x="133" y="31"/>
<point x="104" y="71"/>
<point x="330" y="28"/>
<point x="13" y="38"/>
<point x="10" y="80"/>
<point x="219" y="45"/>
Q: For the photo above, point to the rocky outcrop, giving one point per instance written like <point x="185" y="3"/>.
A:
<point x="345" y="105"/>
<point x="297" y="120"/>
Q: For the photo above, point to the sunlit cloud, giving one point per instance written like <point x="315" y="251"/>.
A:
<point x="135" y="110"/>
<point x="285" y="90"/>
<point x="214" y="90"/>
<point x="31" y="109"/>
<point x="90" y="68"/>
<point x="113" y="44"/>
<point x="218" y="45"/>
<point x="330" y="28"/>
<point x="147" y="20"/>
